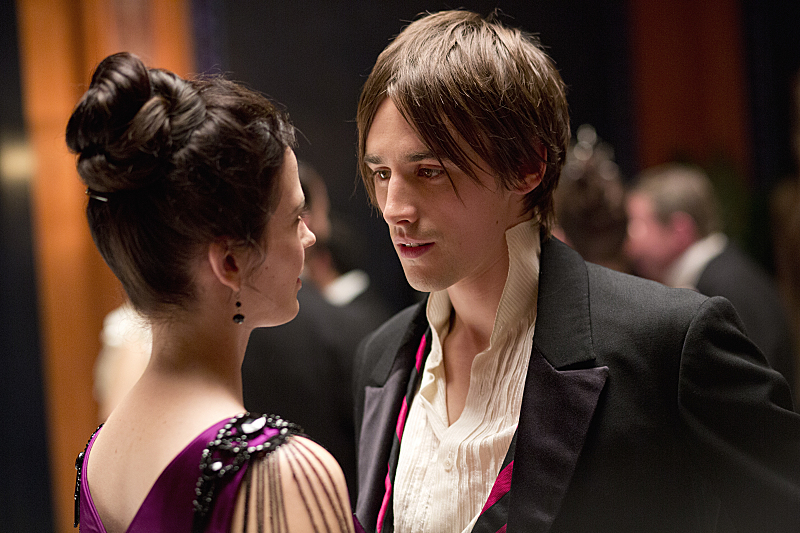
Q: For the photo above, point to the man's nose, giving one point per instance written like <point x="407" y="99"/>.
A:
<point x="400" y="206"/>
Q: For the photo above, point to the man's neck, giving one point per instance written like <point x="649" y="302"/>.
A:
<point x="473" y="315"/>
<point x="475" y="307"/>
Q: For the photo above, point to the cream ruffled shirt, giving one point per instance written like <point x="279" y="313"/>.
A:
<point x="445" y="472"/>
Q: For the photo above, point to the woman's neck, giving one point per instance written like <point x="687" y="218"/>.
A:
<point x="197" y="358"/>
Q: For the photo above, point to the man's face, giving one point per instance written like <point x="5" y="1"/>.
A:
<point x="443" y="237"/>
<point x="650" y="244"/>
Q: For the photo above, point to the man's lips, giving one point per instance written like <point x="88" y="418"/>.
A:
<point x="412" y="250"/>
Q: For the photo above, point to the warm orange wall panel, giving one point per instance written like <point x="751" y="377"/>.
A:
<point x="60" y="43"/>
<point x="172" y="49"/>
<point x="49" y="58"/>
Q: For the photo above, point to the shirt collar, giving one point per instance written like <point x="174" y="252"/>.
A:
<point x="520" y="292"/>
<point x="686" y="270"/>
<point x="346" y="287"/>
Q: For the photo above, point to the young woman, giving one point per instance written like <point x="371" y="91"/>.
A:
<point x="195" y="203"/>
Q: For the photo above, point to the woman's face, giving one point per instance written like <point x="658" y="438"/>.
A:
<point x="275" y="282"/>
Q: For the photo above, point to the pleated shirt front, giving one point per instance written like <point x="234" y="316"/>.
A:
<point x="445" y="472"/>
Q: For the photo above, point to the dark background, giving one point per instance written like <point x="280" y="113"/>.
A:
<point x="313" y="56"/>
<point x="24" y="483"/>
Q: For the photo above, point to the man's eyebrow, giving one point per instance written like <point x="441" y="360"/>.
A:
<point x="413" y="157"/>
<point x="370" y="159"/>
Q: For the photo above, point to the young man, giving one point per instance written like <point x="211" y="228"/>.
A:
<point x="533" y="391"/>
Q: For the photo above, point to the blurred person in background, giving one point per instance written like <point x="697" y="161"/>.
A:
<point x="675" y="237"/>
<point x="590" y="202"/>
<point x="785" y="218"/>
<point x="126" y="342"/>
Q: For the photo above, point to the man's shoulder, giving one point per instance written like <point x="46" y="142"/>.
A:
<point x="603" y="285"/>
<point x="734" y="271"/>
<point x="612" y="290"/>
<point x="602" y="275"/>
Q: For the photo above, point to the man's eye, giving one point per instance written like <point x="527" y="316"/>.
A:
<point x="430" y="172"/>
<point x="381" y="174"/>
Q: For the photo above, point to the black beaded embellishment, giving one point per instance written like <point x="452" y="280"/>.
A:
<point x="78" y="476"/>
<point x="224" y="456"/>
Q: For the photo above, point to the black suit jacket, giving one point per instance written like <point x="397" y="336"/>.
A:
<point x="757" y="301"/>
<point x="646" y="409"/>
<point x="292" y="370"/>
<point x="302" y="370"/>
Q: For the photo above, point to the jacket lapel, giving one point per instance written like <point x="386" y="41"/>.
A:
<point x="562" y="389"/>
<point x="382" y="402"/>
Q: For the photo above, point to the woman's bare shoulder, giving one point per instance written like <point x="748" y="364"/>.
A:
<point x="298" y="487"/>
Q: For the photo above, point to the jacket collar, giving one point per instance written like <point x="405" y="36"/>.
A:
<point x="398" y="353"/>
<point x="563" y="325"/>
<point x="562" y="390"/>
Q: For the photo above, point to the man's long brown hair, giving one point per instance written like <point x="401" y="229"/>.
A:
<point x="459" y="78"/>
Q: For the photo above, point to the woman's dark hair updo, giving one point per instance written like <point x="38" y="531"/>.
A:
<point x="172" y="165"/>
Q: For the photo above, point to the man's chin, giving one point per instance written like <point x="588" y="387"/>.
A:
<point x="423" y="282"/>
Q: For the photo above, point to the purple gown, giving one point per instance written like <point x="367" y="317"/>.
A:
<point x="170" y="504"/>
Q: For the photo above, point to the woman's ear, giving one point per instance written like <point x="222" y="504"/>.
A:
<point x="225" y="264"/>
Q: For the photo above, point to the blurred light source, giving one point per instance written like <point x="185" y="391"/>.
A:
<point x="16" y="161"/>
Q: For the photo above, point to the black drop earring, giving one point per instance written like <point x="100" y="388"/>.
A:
<point x="238" y="317"/>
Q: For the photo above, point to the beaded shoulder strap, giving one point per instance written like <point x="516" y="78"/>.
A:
<point x="79" y="476"/>
<point x="243" y="438"/>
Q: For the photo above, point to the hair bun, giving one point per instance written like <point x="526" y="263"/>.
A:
<point x="130" y="122"/>
<point x="120" y="87"/>
<point x="180" y="109"/>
